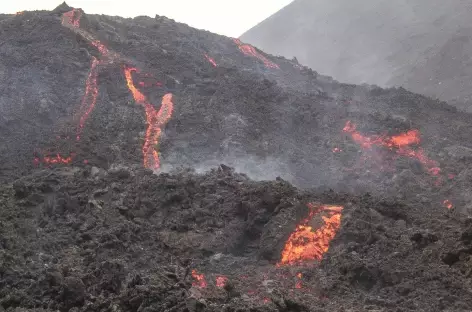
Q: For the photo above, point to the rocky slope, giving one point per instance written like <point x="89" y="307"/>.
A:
<point x="101" y="115"/>
<point x="421" y="45"/>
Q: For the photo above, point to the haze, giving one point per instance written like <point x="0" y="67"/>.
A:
<point x="229" y="18"/>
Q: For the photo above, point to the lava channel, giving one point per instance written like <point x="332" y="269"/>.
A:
<point x="211" y="60"/>
<point x="155" y="120"/>
<point x="401" y="144"/>
<point x="249" y="50"/>
<point x="306" y="244"/>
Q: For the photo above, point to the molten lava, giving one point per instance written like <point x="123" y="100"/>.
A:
<point x="306" y="244"/>
<point x="200" y="280"/>
<point x="72" y="18"/>
<point x="398" y="143"/>
<point x="249" y="50"/>
<point x="298" y="284"/>
<point x="155" y="121"/>
<point x="447" y="203"/>
<point x="57" y="159"/>
<point x="211" y="60"/>
<point x="90" y="97"/>
<point x="221" y="281"/>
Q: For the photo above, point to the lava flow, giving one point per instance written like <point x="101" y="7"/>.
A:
<point x="155" y="120"/>
<point x="447" y="203"/>
<point x="251" y="51"/>
<point x="57" y="159"/>
<point x="305" y="244"/>
<point x="211" y="60"/>
<point x="398" y="143"/>
<point x="221" y="281"/>
<point x="90" y="97"/>
<point x="200" y="280"/>
<point x="72" y="18"/>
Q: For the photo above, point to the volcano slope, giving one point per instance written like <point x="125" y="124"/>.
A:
<point x="91" y="106"/>
<point x="422" y="45"/>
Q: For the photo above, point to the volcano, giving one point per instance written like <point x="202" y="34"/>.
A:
<point x="150" y="166"/>
<point x="422" y="45"/>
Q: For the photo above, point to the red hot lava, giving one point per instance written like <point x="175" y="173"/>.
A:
<point x="57" y="159"/>
<point x="249" y="50"/>
<point x="298" y="284"/>
<point x="72" y="18"/>
<point x="401" y="144"/>
<point x="155" y="121"/>
<point x="199" y="280"/>
<point x="211" y="60"/>
<point x="447" y="203"/>
<point x="306" y="244"/>
<point x="221" y="281"/>
<point x="90" y="97"/>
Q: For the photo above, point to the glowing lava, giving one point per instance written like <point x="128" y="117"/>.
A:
<point x="447" y="203"/>
<point x="305" y="244"/>
<point x="57" y="159"/>
<point x="90" y="97"/>
<point x="211" y="60"/>
<point x="398" y="143"/>
<point x="200" y="280"/>
<point x="72" y="18"/>
<point x="221" y="281"/>
<point x="155" y="121"/>
<point x="298" y="284"/>
<point x="249" y="50"/>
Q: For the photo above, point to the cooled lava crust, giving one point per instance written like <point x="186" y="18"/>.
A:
<point x="100" y="116"/>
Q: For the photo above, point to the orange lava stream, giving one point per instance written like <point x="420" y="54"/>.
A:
<point x="305" y="244"/>
<point x="72" y="18"/>
<point x="200" y="280"/>
<point x="155" y="120"/>
<point x="211" y="60"/>
<point x="399" y="143"/>
<point x="249" y="50"/>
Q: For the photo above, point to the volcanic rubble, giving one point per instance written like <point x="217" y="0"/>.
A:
<point x="354" y="198"/>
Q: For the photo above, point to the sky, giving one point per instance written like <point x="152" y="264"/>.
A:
<point x="229" y="18"/>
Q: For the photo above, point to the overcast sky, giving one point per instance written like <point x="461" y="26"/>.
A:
<point x="225" y="17"/>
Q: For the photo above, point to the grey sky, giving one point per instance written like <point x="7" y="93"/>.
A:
<point x="230" y="18"/>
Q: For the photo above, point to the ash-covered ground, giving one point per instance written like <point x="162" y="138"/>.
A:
<point x="100" y="119"/>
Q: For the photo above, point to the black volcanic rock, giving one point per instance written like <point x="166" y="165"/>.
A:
<point x="62" y="8"/>
<point x="422" y="45"/>
<point x="87" y="228"/>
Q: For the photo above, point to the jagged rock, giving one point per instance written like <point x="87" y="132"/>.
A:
<point x="459" y="152"/>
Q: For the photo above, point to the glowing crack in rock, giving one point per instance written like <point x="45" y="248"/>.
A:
<point x="298" y="284"/>
<point x="57" y="159"/>
<point x="305" y="243"/>
<point x="211" y="60"/>
<point x="199" y="280"/>
<point x="155" y="120"/>
<point x="249" y="50"/>
<point x="400" y="144"/>
<point x="90" y="97"/>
